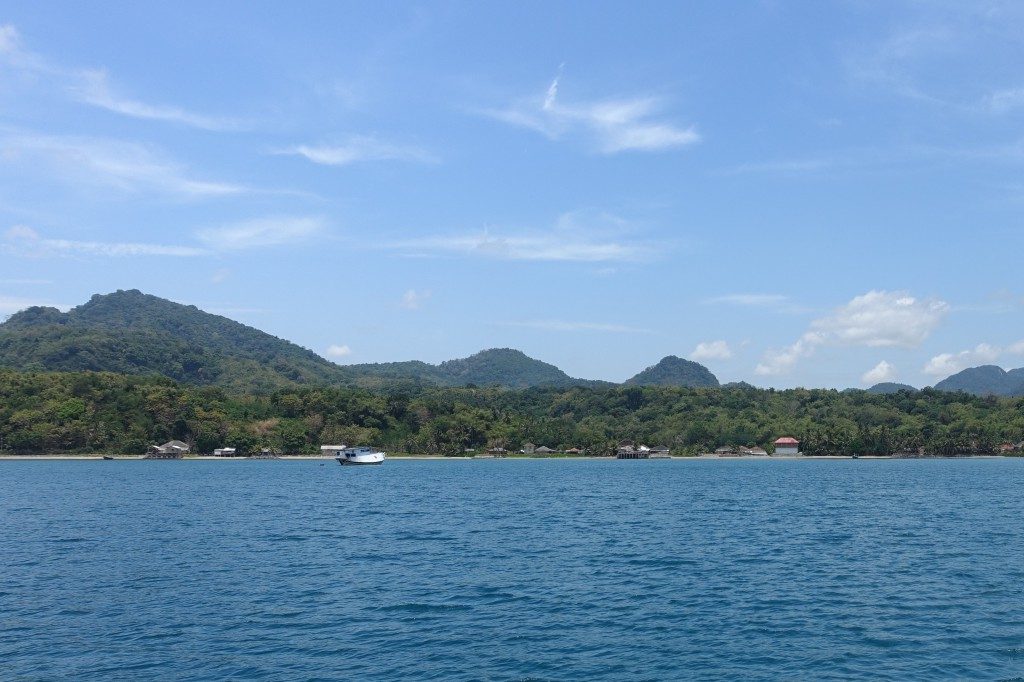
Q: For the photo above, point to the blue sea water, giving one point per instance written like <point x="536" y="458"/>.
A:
<point x="512" y="570"/>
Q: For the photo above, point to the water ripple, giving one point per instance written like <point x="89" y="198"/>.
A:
<point x="513" y="570"/>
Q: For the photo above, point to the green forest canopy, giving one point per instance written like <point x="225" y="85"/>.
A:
<point x="113" y="413"/>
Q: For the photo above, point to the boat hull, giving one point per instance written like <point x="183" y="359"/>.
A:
<point x="374" y="458"/>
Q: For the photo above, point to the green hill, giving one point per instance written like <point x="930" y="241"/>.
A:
<point x="890" y="387"/>
<point x="673" y="371"/>
<point x="985" y="380"/>
<point x="129" y="332"/>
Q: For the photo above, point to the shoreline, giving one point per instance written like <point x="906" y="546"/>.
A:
<point x="317" y="458"/>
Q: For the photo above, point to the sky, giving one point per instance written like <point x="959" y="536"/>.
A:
<point x="791" y="193"/>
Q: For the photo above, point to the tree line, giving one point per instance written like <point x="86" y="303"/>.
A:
<point x="100" y="412"/>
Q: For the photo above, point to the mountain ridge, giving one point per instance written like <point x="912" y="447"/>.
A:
<point x="130" y="332"/>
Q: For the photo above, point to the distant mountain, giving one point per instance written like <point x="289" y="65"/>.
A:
<point x="496" y="366"/>
<point x="503" y="366"/>
<point x="890" y="387"/>
<point x="130" y="332"/>
<point x="985" y="380"/>
<point x="673" y="371"/>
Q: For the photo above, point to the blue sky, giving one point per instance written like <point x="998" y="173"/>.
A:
<point x="792" y="193"/>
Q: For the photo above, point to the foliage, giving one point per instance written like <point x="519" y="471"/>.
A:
<point x="985" y="380"/>
<point x="112" y="413"/>
<point x="673" y="371"/>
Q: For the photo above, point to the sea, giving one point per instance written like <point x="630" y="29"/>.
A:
<point x="512" y="570"/>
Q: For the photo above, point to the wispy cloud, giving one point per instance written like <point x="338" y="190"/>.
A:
<point x="414" y="300"/>
<point x="26" y="282"/>
<point x="261" y="232"/>
<point x="121" y="165"/>
<point x="610" y="125"/>
<point x="93" y="87"/>
<point x="711" y="350"/>
<point x="877" y="319"/>
<point x="359" y="148"/>
<point x="752" y="300"/>
<point x="570" y="326"/>
<point x="578" y="236"/>
<point x="25" y="241"/>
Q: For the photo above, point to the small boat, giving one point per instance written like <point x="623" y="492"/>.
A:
<point x="360" y="455"/>
<point x="107" y="457"/>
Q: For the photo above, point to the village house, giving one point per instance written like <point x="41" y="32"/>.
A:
<point x="172" y="449"/>
<point x="225" y="452"/>
<point x="528" y="448"/>
<point x="787" y="445"/>
<point x="544" y="450"/>
<point x="630" y="452"/>
<point x="725" y="451"/>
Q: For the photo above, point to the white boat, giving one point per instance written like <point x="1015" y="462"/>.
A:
<point x="360" y="455"/>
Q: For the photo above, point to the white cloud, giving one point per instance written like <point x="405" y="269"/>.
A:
<point x="412" y="299"/>
<point x="711" y="350"/>
<point x="124" y="166"/>
<point x="1003" y="101"/>
<point x="93" y="87"/>
<point x="614" y="125"/>
<point x="1016" y="348"/>
<point x="781" y="361"/>
<point x="359" y="148"/>
<point x="261" y="232"/>
<point x="220" y="276"/>
<point x="877" y="319"/>
<point x="753" y="300"/>
<point x="944" y="364"/>
<point x="883" y="319"/>
<point x="23" y="240"/>
<point x="338" y="351"/>
<point x="883" y="371"/>
<point x="578" y="236"/>
<point x="569" y="326"/>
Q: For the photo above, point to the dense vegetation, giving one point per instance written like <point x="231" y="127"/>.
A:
<point x="129" y="332"/>
<point x="103" y="412"/>
<point x="890" y="387"/>
<point x="673" y="371"/>
<point x="986" y="380"/>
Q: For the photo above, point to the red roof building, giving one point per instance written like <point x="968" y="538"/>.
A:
<point x="787" y="446"/>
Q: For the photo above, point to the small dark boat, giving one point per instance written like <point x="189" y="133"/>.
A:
<point x="107" y="457"/>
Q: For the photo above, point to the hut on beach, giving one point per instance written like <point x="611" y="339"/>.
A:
<point x="787" y="445"/>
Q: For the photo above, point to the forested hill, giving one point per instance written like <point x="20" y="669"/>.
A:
<point x="129" y="332"/>
<point x="673" y="371"/>
<point x="493" y="367"/>
<point x="986" y="380"/>
<point x="890" y="387"/>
